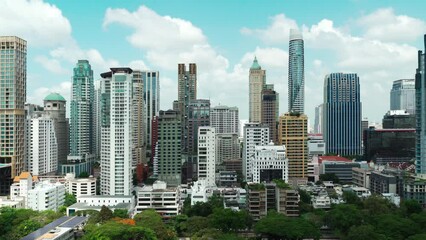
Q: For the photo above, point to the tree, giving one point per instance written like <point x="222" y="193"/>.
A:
<point x="364" y="232"/>
<point x="151" y="219"/>
<point x="27" y="227"/>
<point x="105" y="214"/>
<point x="409" y="207"/>
<point x="375" y="205"/>
<point x="83" y="175"/>
<point x="329" y="177"/>
<point x="70" y="199"/>
<point x="135" y="179"/>
<point x="344" y="216"/>
<point x="395" y="226"/>
<point x="121" y="213"/>
<point x="351" y="198"/>
<point x="195" y="224"/>
<point x="417" y="237"/>
<point x="229" y="220"/>
<point x="112" y="230"/>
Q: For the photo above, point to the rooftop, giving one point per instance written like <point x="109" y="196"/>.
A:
<point x="54" y="97"/>
<point x="255" y="65"/>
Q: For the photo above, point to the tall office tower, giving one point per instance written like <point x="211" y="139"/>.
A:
<point x="81" y="135"/>
<point x="206" y="155"/>
<point x="55" y="109"/>
<point x="342" y="114"/>
<point x="403" y="95"/>
<point x="255" y="134"/>
<point x="257" y="82"/>
<point x="41" y="145"/>
<point x="168" y="150"/>
<point x="154" y="136"/>
<point x="116" y="131"/>
<point x="293" y="134"/>
<point x="269" y="114"/>
<point x="296" y="73"/>
<point x="421" y="112"/>
<point x="97" y="119"/>
<point x="227" y="147"/>
<point x="318" y="119"/>
<point x="138" y="118"/>
<point x="187" y="92"/>
<point x="224" y="119"/>
<point x="151" y="85"/>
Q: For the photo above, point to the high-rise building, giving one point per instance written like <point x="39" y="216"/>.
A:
<point x="399" y="119"/>
<point x="269" y="113"/>
<point x="13" y="78"/>
<point x="151" y="95"/>
<point x="81" y="133"/>
<point x="296" y="72"/>
<point x="116" y="131"/>
<point x="293" y="134"/>
<point x="138" y="118"/>
<point x="224" y="119"/>
<point x="318" y="119"/>
<point x="206" y="155"/>
<point x="187" y="92"/>
<point x="421" y="113"/>
<point x="257" y="82"/>
<point x="255" y="134"/>
<point x="198" y="116"/>
<point x="227" y="147"/>
<point x="342" y="114"/>
<point x="402" y="95"/>
<point x="55" y="109"/>
<point x="269" y="163"/>
<point x="168" y="151"/>
<point x="97" y="119"/>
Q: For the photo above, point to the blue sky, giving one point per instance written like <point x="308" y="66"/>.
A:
<point x="376" y="39"/>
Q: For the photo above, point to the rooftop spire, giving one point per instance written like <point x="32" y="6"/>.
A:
<point x="255" y="65"/>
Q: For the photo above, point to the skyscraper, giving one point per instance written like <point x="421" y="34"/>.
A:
<point x="293" y="134"/>
<point x="227" y="147"/>
<point x="138" y="117"/>
<point x="342" y="114"/>
<point x="269" y="114"/>
<point x="82" y="132"/>
<point x="257" y="82"/>
<point x="402" y="95"/>
<point x="421" y="112"/>
<point x="255" y="134"/>
<point x="13" y="78"/>
<point x="224" y="119"/>
<point x="318" y="119"/>
<point x="296" y="73"/>
<point x="116" y="131"/>
<point x="206" y="155"/>
<point x="151" y="86"/>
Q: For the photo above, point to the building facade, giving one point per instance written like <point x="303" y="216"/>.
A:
<point x="402" y="95"/>
<point x="255" y="134"/>
<point x="224" y="119"/>
<point x="138" y="120"/>
<point x="257" y="82"/>
<point x="151" y="95"/>
<point x="46" y="196"/>
<point x="296" y="72"/>
<point x="13" y="78"/>
<point x="342" y="114"/>
<point x="293" y="134"/>
<point x="116" y="131"/>
<point x="318" y="119"/>
<point x="206" y="155"/>
<point x="227" y="147"/>
<point x="421" y="113"/>
<point x="269" y="114"/>
<point x="168" y="152"/>
<point x="269" y="163"/>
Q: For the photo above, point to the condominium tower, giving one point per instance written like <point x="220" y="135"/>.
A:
<point x="257" y="82"/>
<point x="13" y="78"/>
<point x="255" y="134"/>
<point x="269" y="113"/>
<point x="151" y="95"/>
<point x="206" y="155"/>
<point x="342" y="114"/>
<point x="421" y="112"/>
<point x="116" y="131"/>
<point x="224" y="119"/>
<point x="402" y="95"/>
<point x="296" y="73"/>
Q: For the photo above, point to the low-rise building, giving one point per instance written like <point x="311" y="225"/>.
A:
<point x="415" y="189"/>
<point x="383" y="183"/>
<point x="164" y="200"/>
<point x="85" y="202"/>
<point x="227" y="179"/>
<point x="82" y="186"/>
<point x="361" y="177"/>
<point x="321" y="202"/>
<point x="269" y="163"/>
<point x="63" y="228"/>
<point x="46" y="196"/>
<point x="361" y="192"/>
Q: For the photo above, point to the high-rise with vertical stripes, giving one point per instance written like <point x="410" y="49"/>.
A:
<point x="342" y="114"/>
<point x="13" y="78"/>
<point x="296" y="73"/>
<point x="421" y="112"/>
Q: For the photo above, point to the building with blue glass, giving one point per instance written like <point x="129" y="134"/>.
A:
<point x="296" y="73"/>
<point x="421" y="113"/>
<point x="342" y="114"/>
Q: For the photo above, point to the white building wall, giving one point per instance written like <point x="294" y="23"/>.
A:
<point x="255" y="134"/>
<point x="82" y="186"/>
<point x="46" y="196"/>
<point x="269" y="158"/>
<point x="206" y="155"/>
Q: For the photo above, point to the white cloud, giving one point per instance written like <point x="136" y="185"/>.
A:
<point x="52" y="65"/>
<point x="138" y="64"/>
<point x="277" y="32"/>
<point x="383" y="24"/>
<point x="41" y="24"/>
<point x="38" y="94"/>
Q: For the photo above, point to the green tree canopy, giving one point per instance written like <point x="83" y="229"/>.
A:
<point x="364" y="232"/>
<point x="112" y="230"/>
<point x="229" y="220"/>
<point x="70" y="199"/>
<point x="152" y="220"/>
<point x="344" y="216"/>
<point x="121" y="213"/>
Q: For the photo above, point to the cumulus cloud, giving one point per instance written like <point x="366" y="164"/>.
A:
<point x="52" y="65"/>
<point x="383" y="24"/>
<point x="41" y="24"/>
<point x="63" y="88"/>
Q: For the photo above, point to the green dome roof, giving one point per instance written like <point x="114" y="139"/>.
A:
<point x="54" y="97"/>
<point x="255" y="65"/>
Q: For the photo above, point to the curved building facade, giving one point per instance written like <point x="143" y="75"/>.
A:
<point x="296" y="73"/>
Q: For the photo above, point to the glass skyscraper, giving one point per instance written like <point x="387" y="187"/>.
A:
<point x="342" y="114"/>
<point x="296" y="73"/>
<point x="151" y="95"/>
<point x="421" y="113"/>
<point x="402" y="95"/>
